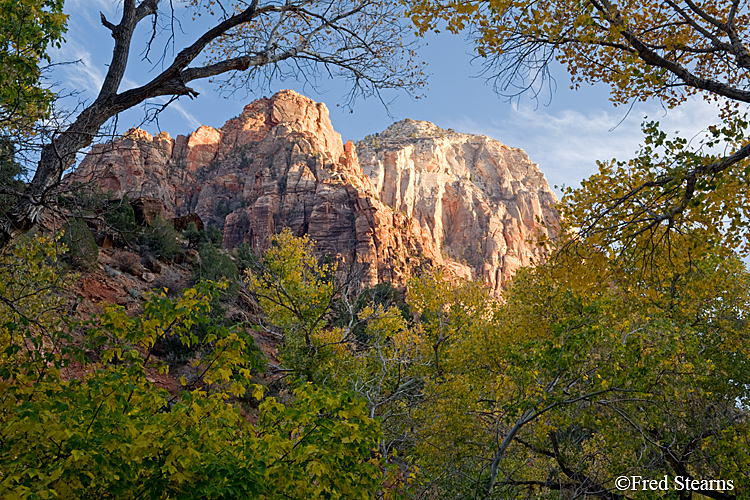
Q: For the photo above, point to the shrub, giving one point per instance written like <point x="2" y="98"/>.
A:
<point x="121" y="219"/>
<point x="214" y="236"/>
<point x="216" y="265"/>
<point x="196" y="239"/>
<point x="193" y="237"/>
<point x="162" y="239"/>
<point x="244" y="257"/>
<point x="82" y="250"/>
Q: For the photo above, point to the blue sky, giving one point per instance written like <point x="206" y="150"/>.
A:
<point x="565" y="137"/>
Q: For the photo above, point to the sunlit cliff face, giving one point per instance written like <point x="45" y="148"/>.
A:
<point x="410" y="196"/>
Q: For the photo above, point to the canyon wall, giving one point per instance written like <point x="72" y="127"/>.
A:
<point x="482" y="203"/>
<point x="412" y="196"/>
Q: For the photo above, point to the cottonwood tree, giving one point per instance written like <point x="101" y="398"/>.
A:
<point x="585" y="371"/>
<point x="337" y="335"/>
<point x="573" y="381"/>
<point x="363" y="41"/>
<point x="623" y="356"/>
<point x="81" y="415"/>
<point x="665" y="50"/>
<point x="27" y="30"/>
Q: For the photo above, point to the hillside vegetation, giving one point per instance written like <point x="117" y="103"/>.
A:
<point x="586" y="368"/>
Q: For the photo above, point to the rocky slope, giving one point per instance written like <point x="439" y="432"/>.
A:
<point x="417" y="195"/>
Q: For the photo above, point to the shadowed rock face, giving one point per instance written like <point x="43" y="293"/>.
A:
<point x="426" y="197"/>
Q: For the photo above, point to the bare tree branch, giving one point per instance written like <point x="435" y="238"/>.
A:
<point x="366" y="40"/>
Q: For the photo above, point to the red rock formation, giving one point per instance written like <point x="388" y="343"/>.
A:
<point x="477" y="200"/>
<point x="280" y="164"/>
<point x="146" y="210"/>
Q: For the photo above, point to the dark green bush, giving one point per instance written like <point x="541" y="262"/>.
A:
<point x="244" y="257"/>
<point x="177" y="354"/>
<point x="215" y="236"/>
<point x="82" y="250"/>
<point x="162" y="239"/>
<point x="196" y="239"/>
<point x="216" y="265"/>
<point x="121" y="219"/>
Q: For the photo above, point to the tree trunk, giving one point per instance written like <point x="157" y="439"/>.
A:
<point x="56" y="157"/>
<point x="364" y="66"/>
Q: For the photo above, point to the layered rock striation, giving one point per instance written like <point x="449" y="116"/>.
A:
<point x="480" y="202"/>
<point x="417" y="195"/>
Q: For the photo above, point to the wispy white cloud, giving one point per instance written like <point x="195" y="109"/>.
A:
<point x="87" y="11"/>
<point x="191" y="120"/>
<point x="567" y="143"/>
<point x="82" y="73"/>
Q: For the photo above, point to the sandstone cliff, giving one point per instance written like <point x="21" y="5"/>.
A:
<point x="417" y="195"/>
<point x="480" y="202"/>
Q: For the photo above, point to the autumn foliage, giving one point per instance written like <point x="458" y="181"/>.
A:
<point x="624" y="354"/>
